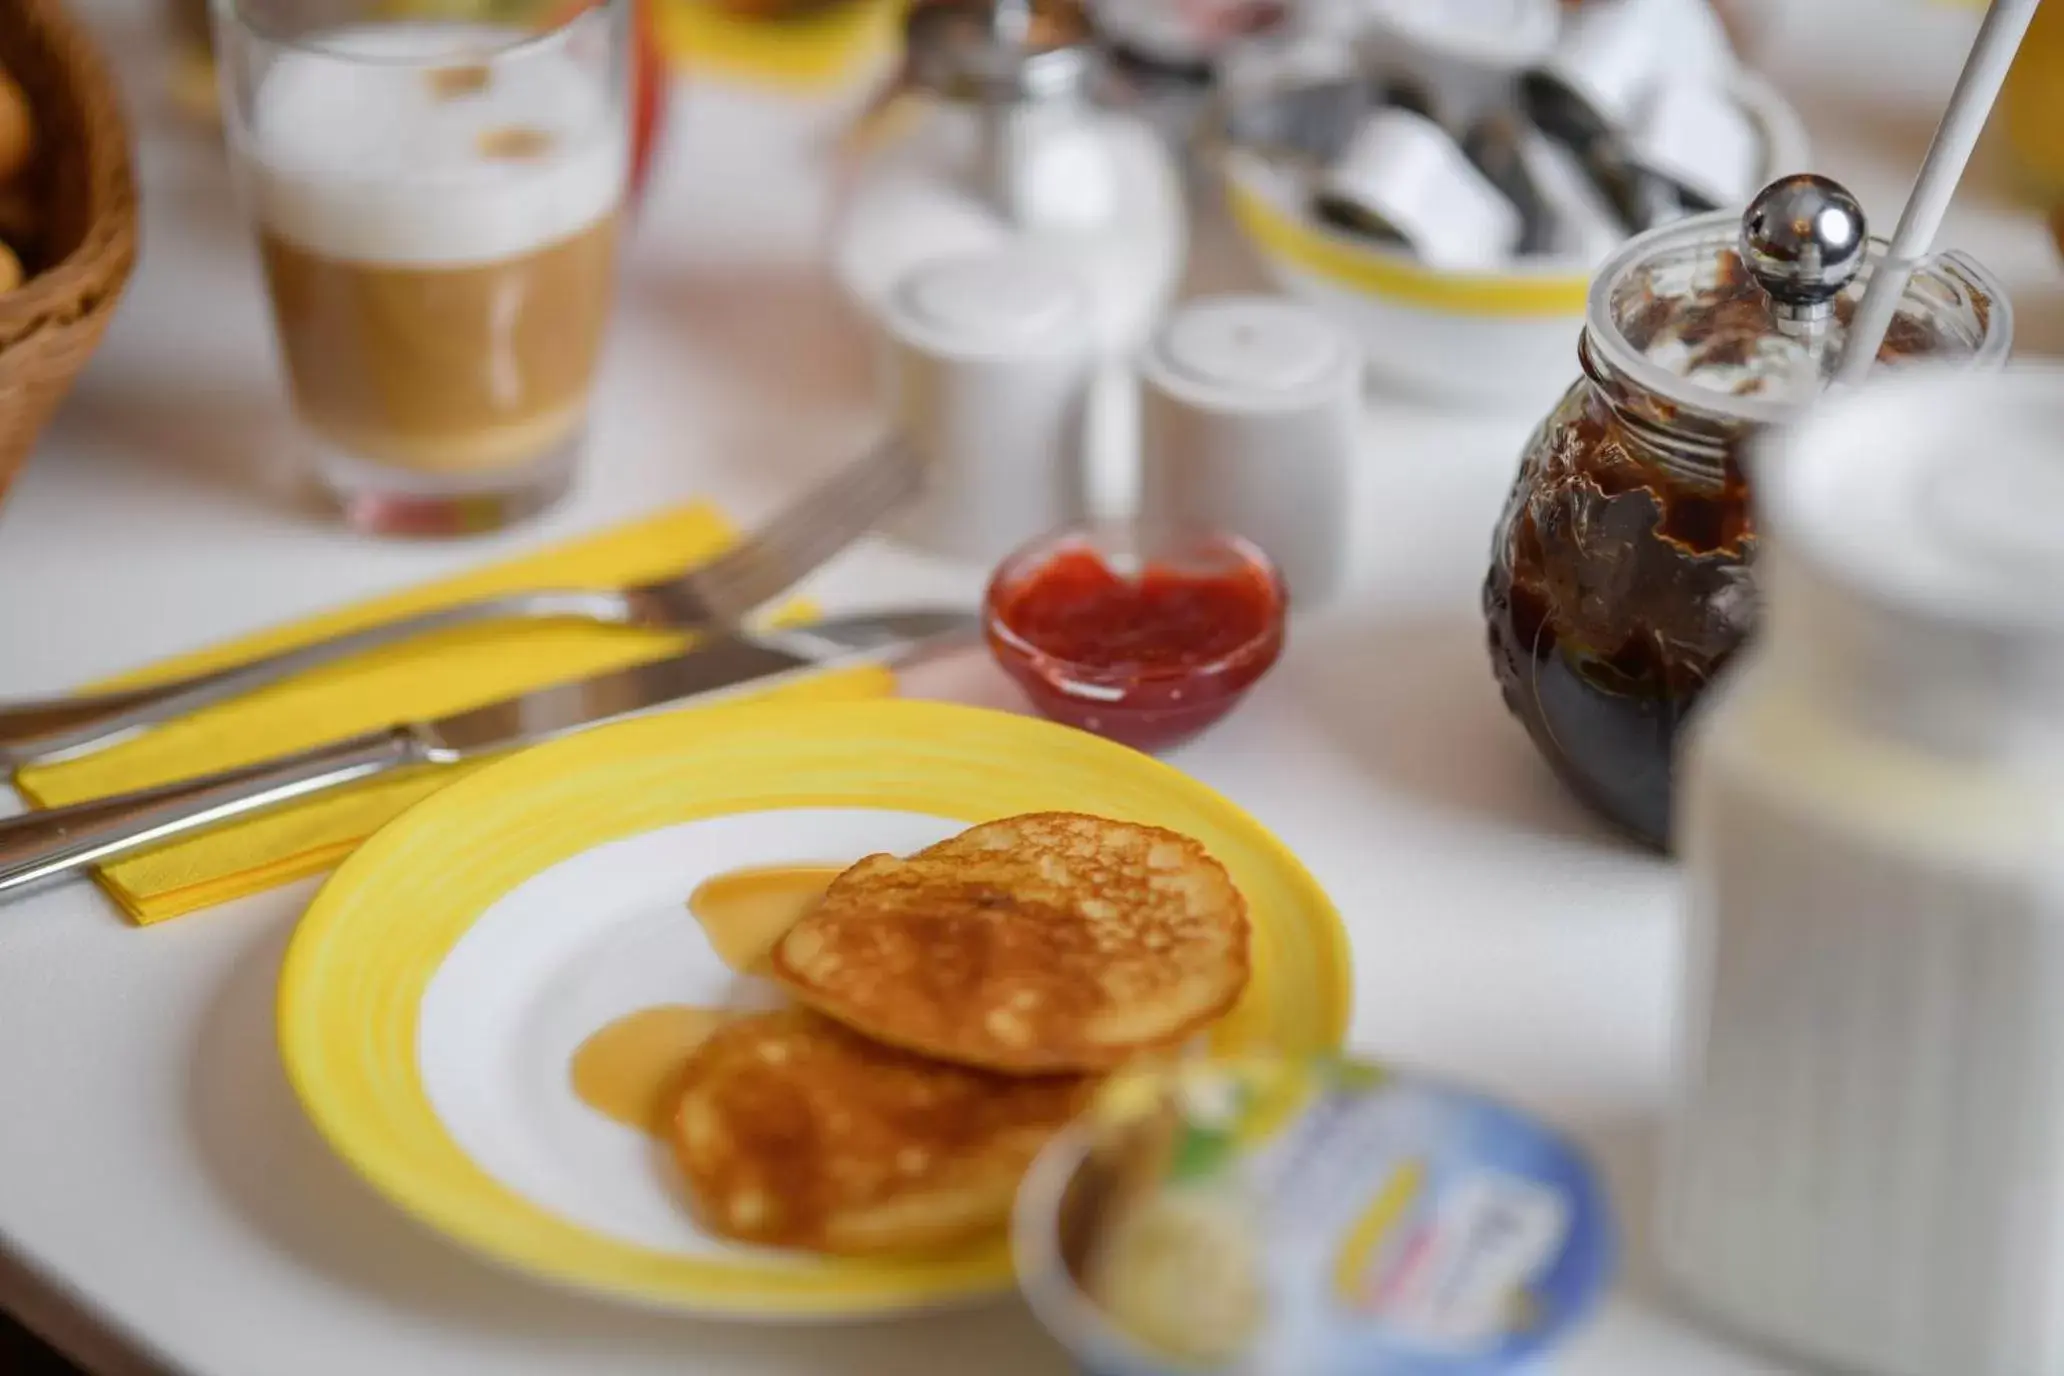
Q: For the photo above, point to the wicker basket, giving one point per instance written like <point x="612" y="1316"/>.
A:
<point x="86" y="242"/>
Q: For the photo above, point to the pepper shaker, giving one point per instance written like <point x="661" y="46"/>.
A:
<point x="991" y="364"/>
<point x="1251" y="420"/>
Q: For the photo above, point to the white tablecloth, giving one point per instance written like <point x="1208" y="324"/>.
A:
<point x="157" y="1181"/>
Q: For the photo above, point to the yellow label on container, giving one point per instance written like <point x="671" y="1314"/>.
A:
<point x="1363" y="1248"/>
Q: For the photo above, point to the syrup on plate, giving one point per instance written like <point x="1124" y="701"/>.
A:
<point x="745" y="911"/>
<point x="628" y="1070"/>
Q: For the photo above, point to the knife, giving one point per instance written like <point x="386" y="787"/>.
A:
<point x="38" y="847"/>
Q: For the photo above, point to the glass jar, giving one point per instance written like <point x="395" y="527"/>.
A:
<point x="1621" y="574"/>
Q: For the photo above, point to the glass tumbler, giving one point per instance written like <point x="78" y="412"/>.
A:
<point x="436" y="204"/>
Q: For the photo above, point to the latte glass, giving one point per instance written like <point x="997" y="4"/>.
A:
<point x="436" y="203"/>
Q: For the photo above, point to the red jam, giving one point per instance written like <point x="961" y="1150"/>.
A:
<point x="1149" y="659"/>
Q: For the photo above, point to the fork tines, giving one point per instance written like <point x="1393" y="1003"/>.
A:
<point x="807" y="533"/>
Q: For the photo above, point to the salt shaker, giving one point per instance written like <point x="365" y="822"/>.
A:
<point x="1251" y="419"/>
<point x="1865" y="1160"/>
<point x="991" y="366"/>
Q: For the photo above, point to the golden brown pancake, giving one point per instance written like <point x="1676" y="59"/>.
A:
<point x="794" y="1132"/>
<point x="1047" y="943"/>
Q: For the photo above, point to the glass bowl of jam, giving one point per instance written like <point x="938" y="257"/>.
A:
<point x="1143" y="640"/>
<point x="1621" y="578"/>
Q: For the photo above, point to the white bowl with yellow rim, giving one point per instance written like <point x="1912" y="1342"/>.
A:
<point x="1507" y="338"/>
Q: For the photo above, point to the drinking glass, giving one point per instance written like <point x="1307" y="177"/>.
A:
<point x="436" y="202"/>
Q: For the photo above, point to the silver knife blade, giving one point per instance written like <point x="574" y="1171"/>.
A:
<point x="722" y="665"/>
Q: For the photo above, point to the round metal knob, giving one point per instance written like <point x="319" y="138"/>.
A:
<point x="1803" y="239"/>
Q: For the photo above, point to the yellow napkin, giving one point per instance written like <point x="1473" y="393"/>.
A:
<point x="431" y="676"/>
<point x="802" y="53"/>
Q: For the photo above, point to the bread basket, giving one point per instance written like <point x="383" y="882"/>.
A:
<point x="85" y="246"/>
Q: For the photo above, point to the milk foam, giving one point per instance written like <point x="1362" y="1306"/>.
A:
<point x="353" y="154"/>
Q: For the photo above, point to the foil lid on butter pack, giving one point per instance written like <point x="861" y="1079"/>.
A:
<point x="1309" y="1218"/>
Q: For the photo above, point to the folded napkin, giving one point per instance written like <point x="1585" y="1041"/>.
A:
<point x="430" y="676"/>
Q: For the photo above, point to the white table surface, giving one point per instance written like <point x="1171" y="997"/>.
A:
<point x="158" y="1184"/>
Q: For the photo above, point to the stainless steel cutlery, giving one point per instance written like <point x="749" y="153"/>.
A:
<point x="719" y="593"/>
<point x="42" y="846"/>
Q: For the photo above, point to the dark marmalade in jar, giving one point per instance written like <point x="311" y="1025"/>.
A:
<point x="1621" y="573"/>
<point x="1619" y="585"/>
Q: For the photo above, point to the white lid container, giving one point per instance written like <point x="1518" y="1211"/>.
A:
<point x="1865" y="1163"/>
<point x="992" y="357"/>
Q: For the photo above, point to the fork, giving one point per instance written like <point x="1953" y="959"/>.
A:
<point x="721" y="592"/>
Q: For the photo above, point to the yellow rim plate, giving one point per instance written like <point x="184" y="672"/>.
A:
<point x="356" y="972"/>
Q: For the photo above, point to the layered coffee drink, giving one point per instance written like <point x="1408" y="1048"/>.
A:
<point x="437" y="210"/>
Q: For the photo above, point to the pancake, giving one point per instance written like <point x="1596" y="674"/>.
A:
<point x="794" y="1132"/>
<point x="1048" y="943"/>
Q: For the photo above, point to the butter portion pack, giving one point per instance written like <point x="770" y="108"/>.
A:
<point x="1310" y="1218"/>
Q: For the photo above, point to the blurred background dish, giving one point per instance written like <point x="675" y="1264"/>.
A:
<point x="1502" y="336"/>
<point x="1443" y="181"/>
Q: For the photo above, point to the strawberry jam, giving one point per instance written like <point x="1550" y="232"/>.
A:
<point x="1145" y="651"/>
